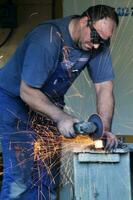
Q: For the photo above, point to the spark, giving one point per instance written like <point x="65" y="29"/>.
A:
<point x="76" y="95"/>
<point x="35" y="13"/>
<point x="1" y="56"/>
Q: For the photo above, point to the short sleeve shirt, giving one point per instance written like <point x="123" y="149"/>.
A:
<point x="48" y="54"/>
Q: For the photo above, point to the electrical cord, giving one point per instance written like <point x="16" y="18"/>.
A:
<point x="7" y="38"/>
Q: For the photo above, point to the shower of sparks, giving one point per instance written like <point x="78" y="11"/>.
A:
<point x="50" y="149"/>
<point x="49" y="143"/>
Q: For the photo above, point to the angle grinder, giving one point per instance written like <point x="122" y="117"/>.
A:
<point x="93" y="127"/>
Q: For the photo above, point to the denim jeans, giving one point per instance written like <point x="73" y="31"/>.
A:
<point x="23" y="177"/>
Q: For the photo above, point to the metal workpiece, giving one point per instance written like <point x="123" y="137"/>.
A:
<point x="98" y="175"/>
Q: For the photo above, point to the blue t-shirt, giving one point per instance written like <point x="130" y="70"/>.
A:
<point x="48" y="59"/>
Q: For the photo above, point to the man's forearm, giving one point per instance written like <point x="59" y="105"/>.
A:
<point x="105" y="105"/>
<point x="40" y="102"/>
<point x="105" y="108"/>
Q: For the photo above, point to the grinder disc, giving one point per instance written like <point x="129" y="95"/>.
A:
<point x="96" y="119"/>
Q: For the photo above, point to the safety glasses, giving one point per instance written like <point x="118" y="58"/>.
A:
<point x="96" y="38"/>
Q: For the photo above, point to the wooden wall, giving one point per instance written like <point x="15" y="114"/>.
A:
<point x="30" y="13"/>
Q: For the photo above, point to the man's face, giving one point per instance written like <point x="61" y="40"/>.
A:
<point x="104" y="27"/>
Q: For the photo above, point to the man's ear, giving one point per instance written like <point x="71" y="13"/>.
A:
<point x="84" y="20"/>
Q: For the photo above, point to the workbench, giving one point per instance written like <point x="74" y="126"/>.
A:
<point x="97" y="175"/>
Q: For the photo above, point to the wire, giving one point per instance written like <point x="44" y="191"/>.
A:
<point x="7" y="38"/>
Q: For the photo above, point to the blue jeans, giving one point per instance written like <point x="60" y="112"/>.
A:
<point x="23" y="177"/>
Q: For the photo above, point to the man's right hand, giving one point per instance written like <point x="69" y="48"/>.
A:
<point x="65" y="126"/>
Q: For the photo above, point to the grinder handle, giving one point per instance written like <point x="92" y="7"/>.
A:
<point x="84" y="128"/>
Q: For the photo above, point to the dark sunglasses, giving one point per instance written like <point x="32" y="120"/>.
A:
<point x="96" y="38"/>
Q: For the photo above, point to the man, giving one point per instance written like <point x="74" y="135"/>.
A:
<point x="38" y="76"/>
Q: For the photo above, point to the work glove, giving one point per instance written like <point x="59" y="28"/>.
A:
<point x="65" y="126"/>
<point x="110" y="141"/>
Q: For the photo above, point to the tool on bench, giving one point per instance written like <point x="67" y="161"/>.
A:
<point x="94" y="128"/>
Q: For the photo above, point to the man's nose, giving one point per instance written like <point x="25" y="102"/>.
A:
<point x="95" y="46"/>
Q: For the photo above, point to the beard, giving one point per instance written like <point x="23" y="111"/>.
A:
<point x="83" y="46"/>
<point x="80" y="45"/>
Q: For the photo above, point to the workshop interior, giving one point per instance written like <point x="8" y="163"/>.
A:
<point x="89" y="173"/>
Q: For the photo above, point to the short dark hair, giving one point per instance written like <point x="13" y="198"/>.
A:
<point x="101" y="11"/>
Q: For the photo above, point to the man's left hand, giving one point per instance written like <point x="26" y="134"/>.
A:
<point x="110" y="141"/>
